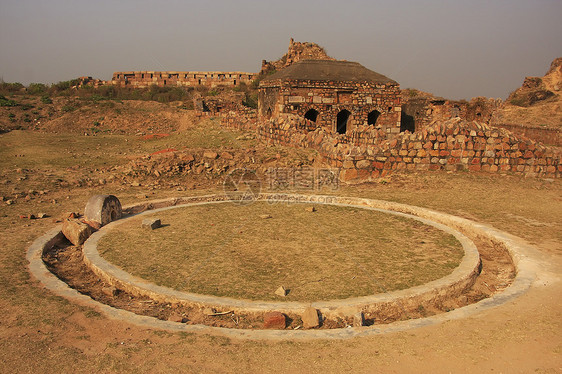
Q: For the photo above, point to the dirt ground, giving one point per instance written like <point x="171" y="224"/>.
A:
<point x="41" y="332"/>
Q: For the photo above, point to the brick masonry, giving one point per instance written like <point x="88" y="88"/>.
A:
<point x="453" y="145"/>
<point x="140" y="79"/>
<point x="328" y="98"/>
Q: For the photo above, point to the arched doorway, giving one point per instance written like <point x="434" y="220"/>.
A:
<point x="268" y="113"/>
<point x="372" y="117"/>
<point x="311" y="115"/>
<point x="341" y="123"/>
<point x="407" y="123"/>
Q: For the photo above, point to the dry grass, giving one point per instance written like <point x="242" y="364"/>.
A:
<point x="43" y="333"/>
<point x="335" y="252"/>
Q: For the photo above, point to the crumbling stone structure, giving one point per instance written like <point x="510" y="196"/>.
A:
<point x="141" y="79"/>
<point x="297" y="51"/>
<point x="451" y="145"/>
<point x="338" y="96"/>
<point x="419" y="111"/>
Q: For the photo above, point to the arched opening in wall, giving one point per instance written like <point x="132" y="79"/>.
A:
<point x="268" y="113"/>
<point x="235" y="82"/>
<point x="311" y="115"/>
<point x="341" y="121"/>
<point x="372" y="117"/>
<point x="407" y="122"/>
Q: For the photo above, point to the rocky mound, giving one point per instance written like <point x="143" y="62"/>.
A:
<point x="538" y="102"/>
<point x="535" y="89"/>
<point x="297" y="51"/>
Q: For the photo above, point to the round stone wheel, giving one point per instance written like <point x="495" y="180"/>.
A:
<point x="103" y="209"/>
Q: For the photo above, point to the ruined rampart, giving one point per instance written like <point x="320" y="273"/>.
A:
<point x="141" y="79"/>
<point x="453" y="145"/>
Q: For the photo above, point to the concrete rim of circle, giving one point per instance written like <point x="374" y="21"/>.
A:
<point x="525" y="268"/>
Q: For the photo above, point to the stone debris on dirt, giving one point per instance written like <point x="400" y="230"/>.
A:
<point x="151" y="223"/>
<point x="274" y="320"/>
<point x="281" y="291"/>
<point x="310" y="318"/>
<point x="76" y="231"/>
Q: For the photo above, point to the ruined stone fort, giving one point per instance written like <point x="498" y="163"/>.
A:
<point x="361" y="122"/>
<point x="143" y="79"/>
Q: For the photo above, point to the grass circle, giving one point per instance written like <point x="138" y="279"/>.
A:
<point x="248" y="251"/>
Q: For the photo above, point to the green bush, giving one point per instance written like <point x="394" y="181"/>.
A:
<point x="36" y="88"/>
<point x="64" y="85"/>
<point x="10" y="87"/>
<point x="7" y="102"/>
<point x="45" y="99"/>
<point x="68" y="108"/>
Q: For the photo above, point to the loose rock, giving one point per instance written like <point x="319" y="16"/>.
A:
<point x="281" y="291"/>
<point x="175" y="317"/>
<point x="76" y="231"/>
<point x="310" y="318"/>
<point x="151" y="223"/>
<point x="110" y="291"/>
<point x="265" y="216"/>
<point x="211" y="155"/>
<point x="311" y="209"/>
<point x="274" y="320"/>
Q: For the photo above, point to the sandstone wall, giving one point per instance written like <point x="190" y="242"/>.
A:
<point x="422" y="111"/>
<point x="328" y="98"/>
<point x="451" y="145"/>
<point x="546" y="135"/>
<point x="141" y="79"/>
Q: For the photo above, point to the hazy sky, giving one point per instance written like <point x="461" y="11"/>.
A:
<point x="457" y="49"/>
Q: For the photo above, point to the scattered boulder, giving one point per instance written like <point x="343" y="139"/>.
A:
<point x="311" y="209"/>
<point x="103" y="209"/>
<point x="42" y="215"/>
<point x="310" y="318"/>
<point x="265" y="216"/>
<point x="210" y="154"/>
<point x="227" y="156"/>
<point x="110" y="291"/>
<point x="281" y="291"/>
<point x="76" y="231"/>
<point x="176" y="317"/>
<point x="9" y="202"/>
<point x="151" y="223"/>
<point x="274" y="320"/>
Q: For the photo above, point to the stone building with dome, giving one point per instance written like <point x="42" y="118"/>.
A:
<point x="335" y="95"/>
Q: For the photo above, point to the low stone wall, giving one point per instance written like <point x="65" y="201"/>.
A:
<point x="546" y="135"/>
<point x="452" y="145"/>
<point x="241" y="120"/>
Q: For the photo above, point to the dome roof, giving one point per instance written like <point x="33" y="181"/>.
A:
<point x="326" y="70"/>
